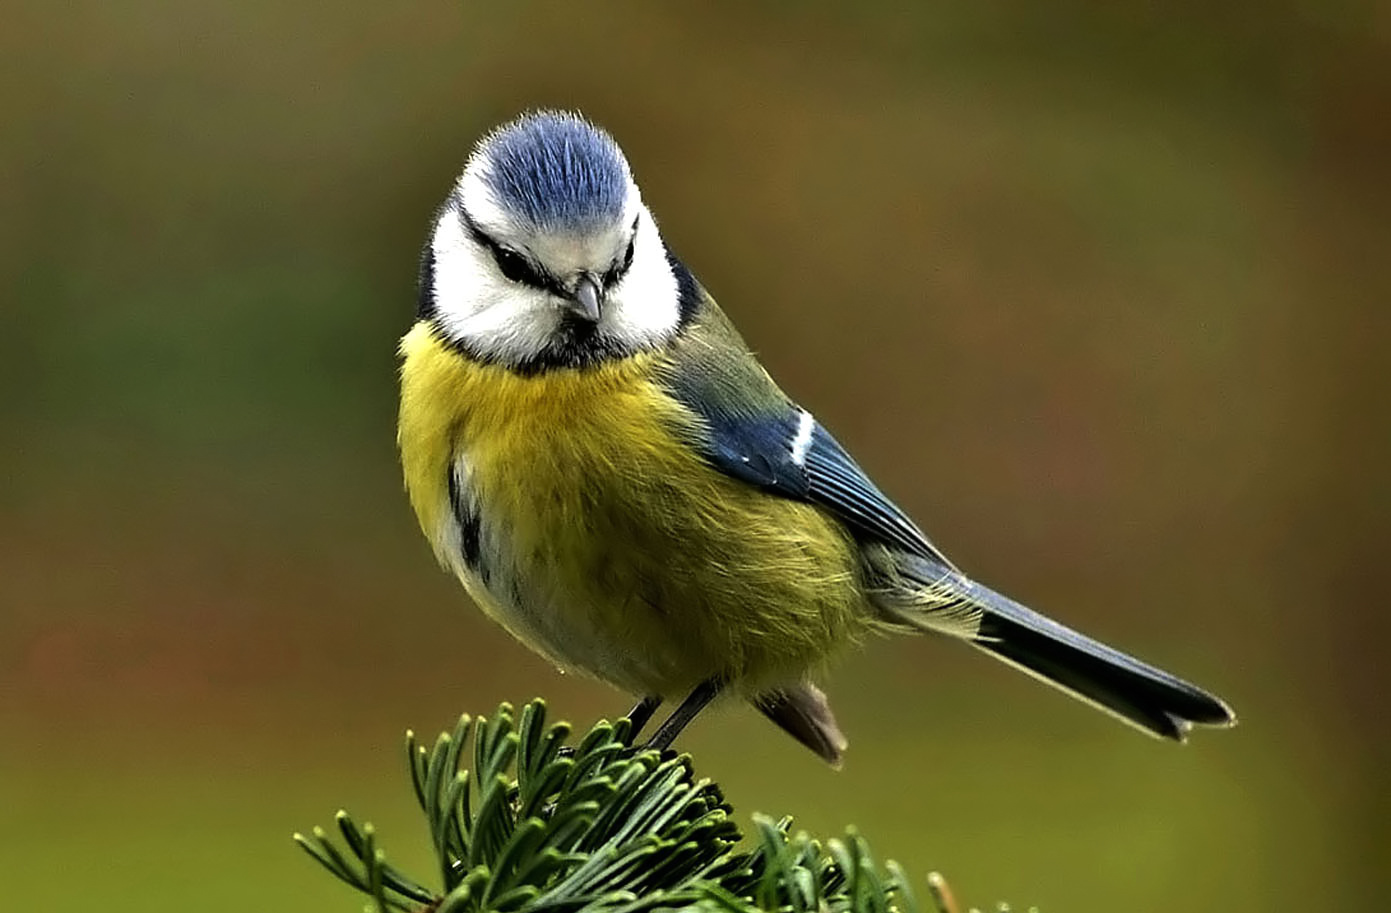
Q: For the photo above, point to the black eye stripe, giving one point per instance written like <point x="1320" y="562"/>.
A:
<point x="517" y="267"/>
<point x="619" y="269"/>
<point x="514" y="266"/>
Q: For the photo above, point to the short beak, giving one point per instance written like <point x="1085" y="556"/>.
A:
<point x="586" y="298"/>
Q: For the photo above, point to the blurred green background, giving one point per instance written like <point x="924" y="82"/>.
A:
<point x="1099" y="292"/>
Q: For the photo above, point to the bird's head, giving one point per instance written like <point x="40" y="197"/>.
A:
<point x="544" y="255"/>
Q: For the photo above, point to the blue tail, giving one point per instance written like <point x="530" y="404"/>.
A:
<point x="1135" y="692"/>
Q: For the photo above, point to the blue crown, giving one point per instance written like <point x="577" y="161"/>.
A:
<point x="556" y="171"/>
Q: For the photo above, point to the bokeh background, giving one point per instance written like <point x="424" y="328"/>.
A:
<point x="1099" y="292"/>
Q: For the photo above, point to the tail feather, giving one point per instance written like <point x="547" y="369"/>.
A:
<point x="1137" y="693"/>
<point x="804" y="713"/>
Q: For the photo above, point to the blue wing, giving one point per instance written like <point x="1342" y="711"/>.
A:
<point x="788" y="453"/>
<point x="755" y="434"/>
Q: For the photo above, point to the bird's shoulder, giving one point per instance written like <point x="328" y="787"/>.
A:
<point x="751" y="430"/>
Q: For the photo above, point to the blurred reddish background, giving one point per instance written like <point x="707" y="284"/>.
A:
<point x="1099" y="293"/>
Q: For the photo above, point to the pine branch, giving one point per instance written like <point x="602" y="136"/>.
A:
<point x="540" y="827"/>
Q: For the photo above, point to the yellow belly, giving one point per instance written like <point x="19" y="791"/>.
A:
<point x="613" y="549"/>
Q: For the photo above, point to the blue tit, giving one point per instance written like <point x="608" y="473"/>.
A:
<point x="592" y="449"/>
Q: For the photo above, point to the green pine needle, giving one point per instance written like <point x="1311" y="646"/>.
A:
<point x="599" y="828"/>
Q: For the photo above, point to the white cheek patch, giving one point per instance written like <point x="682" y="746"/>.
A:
<point x="476" y="305"/>
<point x="645" y="307"/>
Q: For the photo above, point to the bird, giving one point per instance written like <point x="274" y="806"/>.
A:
<point x="590" y="446"/>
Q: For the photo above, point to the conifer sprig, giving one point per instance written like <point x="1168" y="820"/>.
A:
<point x="538" y="827"/>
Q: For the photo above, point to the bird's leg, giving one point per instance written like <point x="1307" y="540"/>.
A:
<point x="637" y="718"/>
<point x="641" y="713"/>
<point x="695" y="702"/>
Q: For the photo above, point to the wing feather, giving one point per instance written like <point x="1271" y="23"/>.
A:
<point x="760" y="450"/>
<point x="753" y="432"/>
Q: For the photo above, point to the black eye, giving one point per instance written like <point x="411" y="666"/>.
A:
<point x="620" y="267"/>
<point x="514" y="265"/>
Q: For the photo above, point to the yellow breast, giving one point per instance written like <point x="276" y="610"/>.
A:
<point x="615" y="549"/>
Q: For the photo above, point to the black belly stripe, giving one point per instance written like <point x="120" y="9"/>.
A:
<point x="470" y="525"/>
